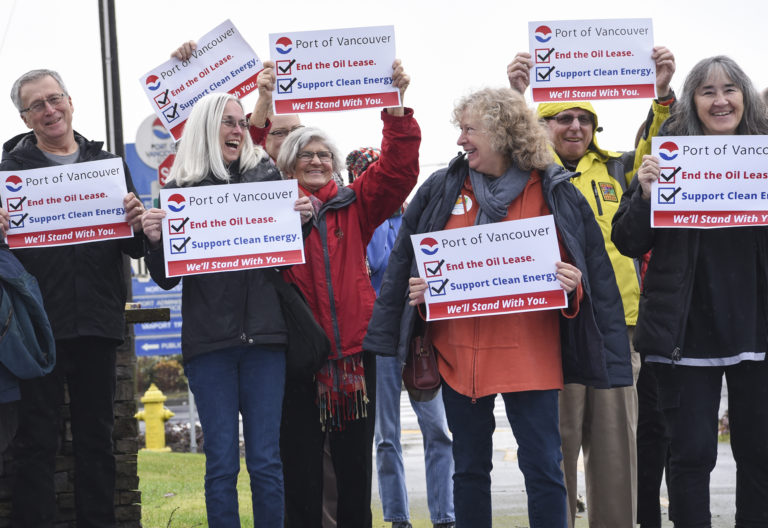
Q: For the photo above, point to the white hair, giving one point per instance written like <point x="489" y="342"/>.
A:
<point x="199" y="151"/>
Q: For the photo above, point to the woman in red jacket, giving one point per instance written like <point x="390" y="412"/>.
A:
<point x="339" y="401"/>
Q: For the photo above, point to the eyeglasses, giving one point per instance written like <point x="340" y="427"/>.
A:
<point x="323" y="155"/>
<point x="232" y="123"/>
<point x="567" y="119"/>
<point x="282" y="132"/>
<point x="39" y="106"/>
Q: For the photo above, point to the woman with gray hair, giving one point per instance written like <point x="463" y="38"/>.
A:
<point x="703" y="311"/>
<point x="505" y="173"/>
<point x="234" y="337"/>
<point x="339" y="401"/>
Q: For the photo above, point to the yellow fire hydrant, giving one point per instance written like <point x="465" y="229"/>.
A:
<point x="154" y="415"/>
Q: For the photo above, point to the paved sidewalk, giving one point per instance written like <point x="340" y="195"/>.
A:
<point x="508" y="488"/>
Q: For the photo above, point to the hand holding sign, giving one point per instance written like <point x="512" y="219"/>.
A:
<point x="665" y="69"/>
<point x="184" y="52"/>
<point x="568" y="275"/>
<point x="519" y="71"/>
<point x="151" y="223"/>
<point x="647" y="174"/>
<point x="133" y="211"/>
<point x="400" y="80"/>
<point x="418" y="288"/>
<point x="5" y="217"/>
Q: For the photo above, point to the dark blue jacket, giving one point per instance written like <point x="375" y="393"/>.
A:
<point x="27" y="348"/>
<point x="594" y="344"/>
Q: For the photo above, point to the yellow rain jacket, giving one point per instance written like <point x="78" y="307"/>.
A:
<point x="602" y="176"/>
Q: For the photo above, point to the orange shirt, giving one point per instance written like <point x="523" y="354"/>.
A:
<point x="479" y="356"/>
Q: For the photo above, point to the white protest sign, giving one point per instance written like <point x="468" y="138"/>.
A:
<point x="222" y="62"/>
<point x="710" y="181"/>
<point x="490" y="269"/>
<point x="332" y="70"/>
<point x="66" y="204"/>
<point x="231" y="227"/>
<point x="592" y="59"/>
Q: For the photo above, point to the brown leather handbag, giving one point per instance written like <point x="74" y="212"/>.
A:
<point x="420" y="375"/>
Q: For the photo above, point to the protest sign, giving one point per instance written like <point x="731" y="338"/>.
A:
<point x="332" y="70"/>
<point x="65" y="204"/>
<point x="490" y="269"/>
<point x="710" y="181"/>
<point x="592" y="59"/>
<point x="222" y="62"/>
<point x="231" y="227"/>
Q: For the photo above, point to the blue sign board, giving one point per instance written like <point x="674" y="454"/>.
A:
<point x="161" y="337"/>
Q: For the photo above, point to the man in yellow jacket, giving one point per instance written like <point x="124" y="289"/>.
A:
<point x="602" y="422"/>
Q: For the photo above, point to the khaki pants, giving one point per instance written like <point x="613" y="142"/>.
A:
<point x="603" y="424"/>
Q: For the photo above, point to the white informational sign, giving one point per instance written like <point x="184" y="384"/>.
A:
<point x="332" y="70"/>
<point x="231" y="227"/>
<point x="66" y="204"/>
<point x="710" y="181"/>
<point x="490" y="269"/>
<point x="577" y="60"/>
<point x="222" y="62"/>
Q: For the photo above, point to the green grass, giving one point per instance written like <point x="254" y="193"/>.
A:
<point x="172" y="496"/>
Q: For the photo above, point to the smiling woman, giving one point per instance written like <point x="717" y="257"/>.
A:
<point x="233" y="340"/>
<point x="506" y="173"/>
<point x="703" y="313"/>
<point x="338" y="402"/>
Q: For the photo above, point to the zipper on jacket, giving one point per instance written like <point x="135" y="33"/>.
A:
<point x="675" y="355"/>
<point x="597" y="198"/>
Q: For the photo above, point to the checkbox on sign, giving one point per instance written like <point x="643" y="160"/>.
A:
<point x="16" y="204"/>
<point x="179" y="245"/>
<point x="171" y="114"/>
<point x="162" y="100"/>
<point x="543" y="55"/>
<point x="284" y="86"/>
<point x="434" y="268"/>
<point x="667" y="174"/>
<point x="285" y="67"/>
<point x="544" y="74"/>
<point x="667" y="195"/>
<point x="176" y="226"/>
<point x="17" y="220"/>
<point x="437" y="287"/>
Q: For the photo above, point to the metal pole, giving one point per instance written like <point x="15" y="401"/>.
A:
<point x="111" y="75"/>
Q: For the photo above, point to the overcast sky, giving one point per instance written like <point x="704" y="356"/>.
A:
<point x="449" y="48"/>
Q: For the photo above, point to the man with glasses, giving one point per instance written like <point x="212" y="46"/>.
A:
<point x="602" y="422"/>
<point x="84" y="295"/>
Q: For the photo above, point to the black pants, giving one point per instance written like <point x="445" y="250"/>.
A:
<point x="301" y="450"/>
<point x="87" y="364"/>
<point x="652" y="449"/>
<point x="690" y="397"/>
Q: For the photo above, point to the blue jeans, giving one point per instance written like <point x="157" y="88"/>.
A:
<point x="249" y="381"/>
<point x="533" y="416"/>
<point x="438" y="458"/>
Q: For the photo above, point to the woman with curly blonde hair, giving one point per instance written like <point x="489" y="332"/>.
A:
<point x="506" y="173"/>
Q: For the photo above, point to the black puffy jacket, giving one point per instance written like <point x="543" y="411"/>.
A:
<point x="668" y="284"/>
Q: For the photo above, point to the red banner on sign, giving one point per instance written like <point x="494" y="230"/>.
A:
<point x="523" y="302"/>
<point x="72" y="235"/>
<point x="586" y="93"/>
<point x="180" y="268"/>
